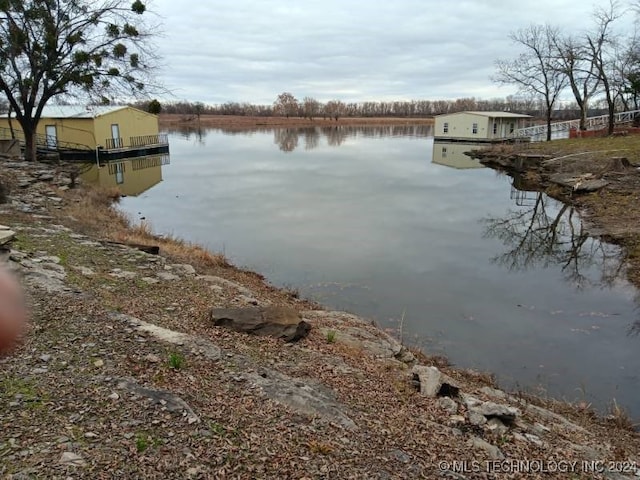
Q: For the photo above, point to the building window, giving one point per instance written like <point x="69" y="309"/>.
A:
<point x="445" y="127"/>
<point x="495" y="128"/>
<point x="444" y="152"/>
<point x="512" y="127"/>
<point x="474" y="129"/>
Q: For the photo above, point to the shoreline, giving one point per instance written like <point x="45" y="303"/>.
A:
<point x="598" y="176"/>
<point x="230" y="122"/>
<point x="129" y="311"/>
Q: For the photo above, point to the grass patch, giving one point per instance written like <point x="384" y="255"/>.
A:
<point x="331" y="336"/>
<point x="92" y="209"/>
<point x="176" y="361"/>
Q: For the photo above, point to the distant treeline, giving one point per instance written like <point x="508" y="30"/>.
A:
<point x="287" y="105"/>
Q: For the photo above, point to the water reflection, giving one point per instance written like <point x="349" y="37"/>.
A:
<point x="453" y="154"/>
<point x="289" y="139"/>
<point x="132" y="176"/>
<point x="541" y="235"/>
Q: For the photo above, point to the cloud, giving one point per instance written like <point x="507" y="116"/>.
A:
<point x="248" y="50"/>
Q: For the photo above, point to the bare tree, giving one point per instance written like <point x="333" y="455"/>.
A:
<point x="602" y="46"/>
<point x="50" y="48"/>
<point x="580" y="69"/>
<point x="536" y="70"/>
<point x="310" y="107"/>
<point x="335" y="109"/>
<point x="286" y="104"/>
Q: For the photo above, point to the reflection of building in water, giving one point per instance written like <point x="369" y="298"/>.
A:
<point x="132" y="175"/>
<point x="524" y="192"/>
<point x="452" y="154"/>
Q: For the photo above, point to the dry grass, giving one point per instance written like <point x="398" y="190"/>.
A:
<point x="92" y="210"/>
<point x="232" y="121"/>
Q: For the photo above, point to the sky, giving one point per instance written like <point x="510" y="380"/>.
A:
<point x="218" y="51"/>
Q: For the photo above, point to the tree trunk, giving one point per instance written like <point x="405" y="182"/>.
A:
<point x="548" y="124"/>
<point x="30" y="147"/>
<point x="583" y="116"/>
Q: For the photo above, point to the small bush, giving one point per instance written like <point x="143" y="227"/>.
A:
<point x="176" y="361"/>
<point x="331" y="336"/>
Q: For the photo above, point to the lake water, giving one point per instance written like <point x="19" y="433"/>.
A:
<point x="383" y="223"/>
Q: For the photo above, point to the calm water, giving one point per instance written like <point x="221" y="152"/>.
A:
<point x="382" y="223"/>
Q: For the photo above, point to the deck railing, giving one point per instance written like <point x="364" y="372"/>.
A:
<point x="137" y="141"/>
<point x="592" y="123"/>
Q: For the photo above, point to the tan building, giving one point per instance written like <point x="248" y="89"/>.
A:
<point x="110" y="129"/>
<point x="479" y="126"/>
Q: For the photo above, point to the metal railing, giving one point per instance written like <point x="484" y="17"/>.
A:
<point x="43" y="142"/>
<point x="141" y="163"/>
<point x="592" y="123"/>
<point x="137" y="141"/>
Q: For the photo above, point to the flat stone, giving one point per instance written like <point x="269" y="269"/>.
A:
<point x="494" y="393"/>
<point x="493" y="451"/>
<point x="71" y="459"/>
<point x="184" y="268"/>
<point x="167" y="276"/>
<point x="279" y="322"/>
<point x="150" y="280"/>
<point x="6" y="236"/>
<point x="490" y="409"/>
<point x="124" y="274"/>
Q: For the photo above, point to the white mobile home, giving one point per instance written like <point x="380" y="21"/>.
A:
<point x="478" y="126"/>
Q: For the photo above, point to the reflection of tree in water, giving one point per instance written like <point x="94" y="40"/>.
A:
<point x="311" y="138"/>
<point x="286" y="139"/>
<point x="337" y="135"/>
<point x="534" y="237"/>
<point x="188" y="131"/>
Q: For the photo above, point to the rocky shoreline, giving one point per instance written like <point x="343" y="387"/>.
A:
<point x="127" y="372"/>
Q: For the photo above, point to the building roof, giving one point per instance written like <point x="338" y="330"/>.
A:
<point x="491" y="114"/>
<point x="78" y="111"/>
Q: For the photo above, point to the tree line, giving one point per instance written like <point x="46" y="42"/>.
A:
<point x="600" y="66"/>
<point x="287" y="105"/>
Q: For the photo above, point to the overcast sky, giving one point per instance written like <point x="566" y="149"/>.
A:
<point x="216" y="51"/>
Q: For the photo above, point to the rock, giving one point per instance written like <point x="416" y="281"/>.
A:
<point x="6" y="236"/>
<point x="168" y="400"/>
<point x="431" y="382"/>
<point x="152" y="358"/>
<point x="71" y="459"/>
<point x="476" y="418"/>
<point x="226" y="283"/>
<point x="495" y="425"/>
<point x="505" y="413"/>
<point x="198" y="345"/>
<point x="534" y="439"/>
<point x="114" y="396"/>
<point x="278" y="322"/>
<point x="494" y="393"/>
<point x="456" y="419"/>
<point x="45" y="358"/>
<point x="493" y="451"/>
<point x="167" y="276"/>
<point x="98" y="363"/>
<point x="86" y="271"/>
<point x="150" y="280"/>
<point x="90" y="435"/>
<point x="117" y="273"/>
<point x="448" y="405"/>
<point x="246" y="300"/>
<point x="184" y="268"/>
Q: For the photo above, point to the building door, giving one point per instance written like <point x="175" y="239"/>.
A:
<point x="52" y="136"/>
<point x="115" y="136"/>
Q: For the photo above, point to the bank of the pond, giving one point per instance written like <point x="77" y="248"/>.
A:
<point x="597" y="175"/>
<point x="123" y="373"/>
<point x="231" y="122"/>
